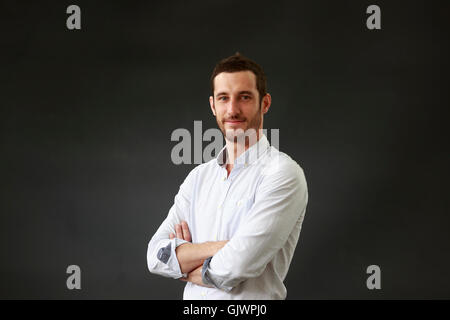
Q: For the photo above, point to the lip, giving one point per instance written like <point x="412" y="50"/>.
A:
<point x="234" y="121"/>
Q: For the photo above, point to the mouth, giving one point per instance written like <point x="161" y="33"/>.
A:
<point x="234" y="121"/>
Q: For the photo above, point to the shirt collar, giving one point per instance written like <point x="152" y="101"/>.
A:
<point x="249" y="156"/>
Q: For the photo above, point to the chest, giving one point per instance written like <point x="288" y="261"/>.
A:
<point x="221" y="204"/>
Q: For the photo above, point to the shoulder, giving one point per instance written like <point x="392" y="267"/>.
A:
<point x="201" y="170"/>
<point x="280" y="167"/>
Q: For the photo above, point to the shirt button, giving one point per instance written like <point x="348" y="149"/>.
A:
<point x="203" y="293"/>
<point x="224" y="178"/>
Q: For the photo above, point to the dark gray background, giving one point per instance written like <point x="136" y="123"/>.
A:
<point x="86" y="118"/>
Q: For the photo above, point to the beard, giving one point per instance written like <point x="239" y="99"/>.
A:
<point x="234" y="135"/>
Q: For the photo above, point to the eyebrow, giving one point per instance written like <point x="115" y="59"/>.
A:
<point x="240" y="92"/>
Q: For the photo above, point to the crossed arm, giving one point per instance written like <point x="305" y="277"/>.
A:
<point x="191" y="256"/>
<point x="278" y="210"/>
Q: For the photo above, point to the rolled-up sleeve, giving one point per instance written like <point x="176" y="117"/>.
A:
<point x="161" y="254"/>
<point x="280" y="204"/>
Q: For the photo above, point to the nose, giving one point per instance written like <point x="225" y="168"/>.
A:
<point x="233" y="107"/>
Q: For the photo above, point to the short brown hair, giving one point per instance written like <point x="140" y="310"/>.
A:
<point x="237" y="62"/>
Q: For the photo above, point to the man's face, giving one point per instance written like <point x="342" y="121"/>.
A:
<point x="236" y="102"/>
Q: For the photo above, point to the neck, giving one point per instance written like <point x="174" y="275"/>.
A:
<point x="237" y="147"/>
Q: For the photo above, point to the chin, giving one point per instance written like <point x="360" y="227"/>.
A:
<point x="237" y="129"/>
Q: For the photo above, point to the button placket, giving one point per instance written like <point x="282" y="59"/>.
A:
<point x="221" y="207"/>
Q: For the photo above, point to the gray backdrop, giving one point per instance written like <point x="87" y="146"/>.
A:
<point x="86" y="118"/>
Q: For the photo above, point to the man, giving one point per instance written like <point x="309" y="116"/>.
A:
<point x="236" y="220"/>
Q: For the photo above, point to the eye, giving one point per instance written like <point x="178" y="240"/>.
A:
<point x="246" y="97"/>
<point x="222" y="98"/>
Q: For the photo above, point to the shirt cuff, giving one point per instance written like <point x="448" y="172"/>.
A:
<point x="167" y="263"/>
<point x="208" y="279"/>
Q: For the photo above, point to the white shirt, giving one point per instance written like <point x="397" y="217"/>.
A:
<point x="259" y="208"/>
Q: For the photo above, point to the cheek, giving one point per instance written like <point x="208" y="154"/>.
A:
<point x="252" y="112"/>
<point x="220" y="112"/>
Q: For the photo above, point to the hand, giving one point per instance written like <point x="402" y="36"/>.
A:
<point x="195" y="276"/>
<point x="182" y="232"/>
<point x="191" y="256"/>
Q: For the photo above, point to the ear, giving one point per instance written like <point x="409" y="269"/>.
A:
<point x="266" y="102"/>
<point x="211" y="104"/>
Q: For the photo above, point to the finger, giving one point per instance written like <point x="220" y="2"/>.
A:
<point x="171" y="236"/>
<point x="186" y="233"/>
<point x="178" y="231"/>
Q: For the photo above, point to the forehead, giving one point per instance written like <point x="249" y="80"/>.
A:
<point x="235" y="81"/>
